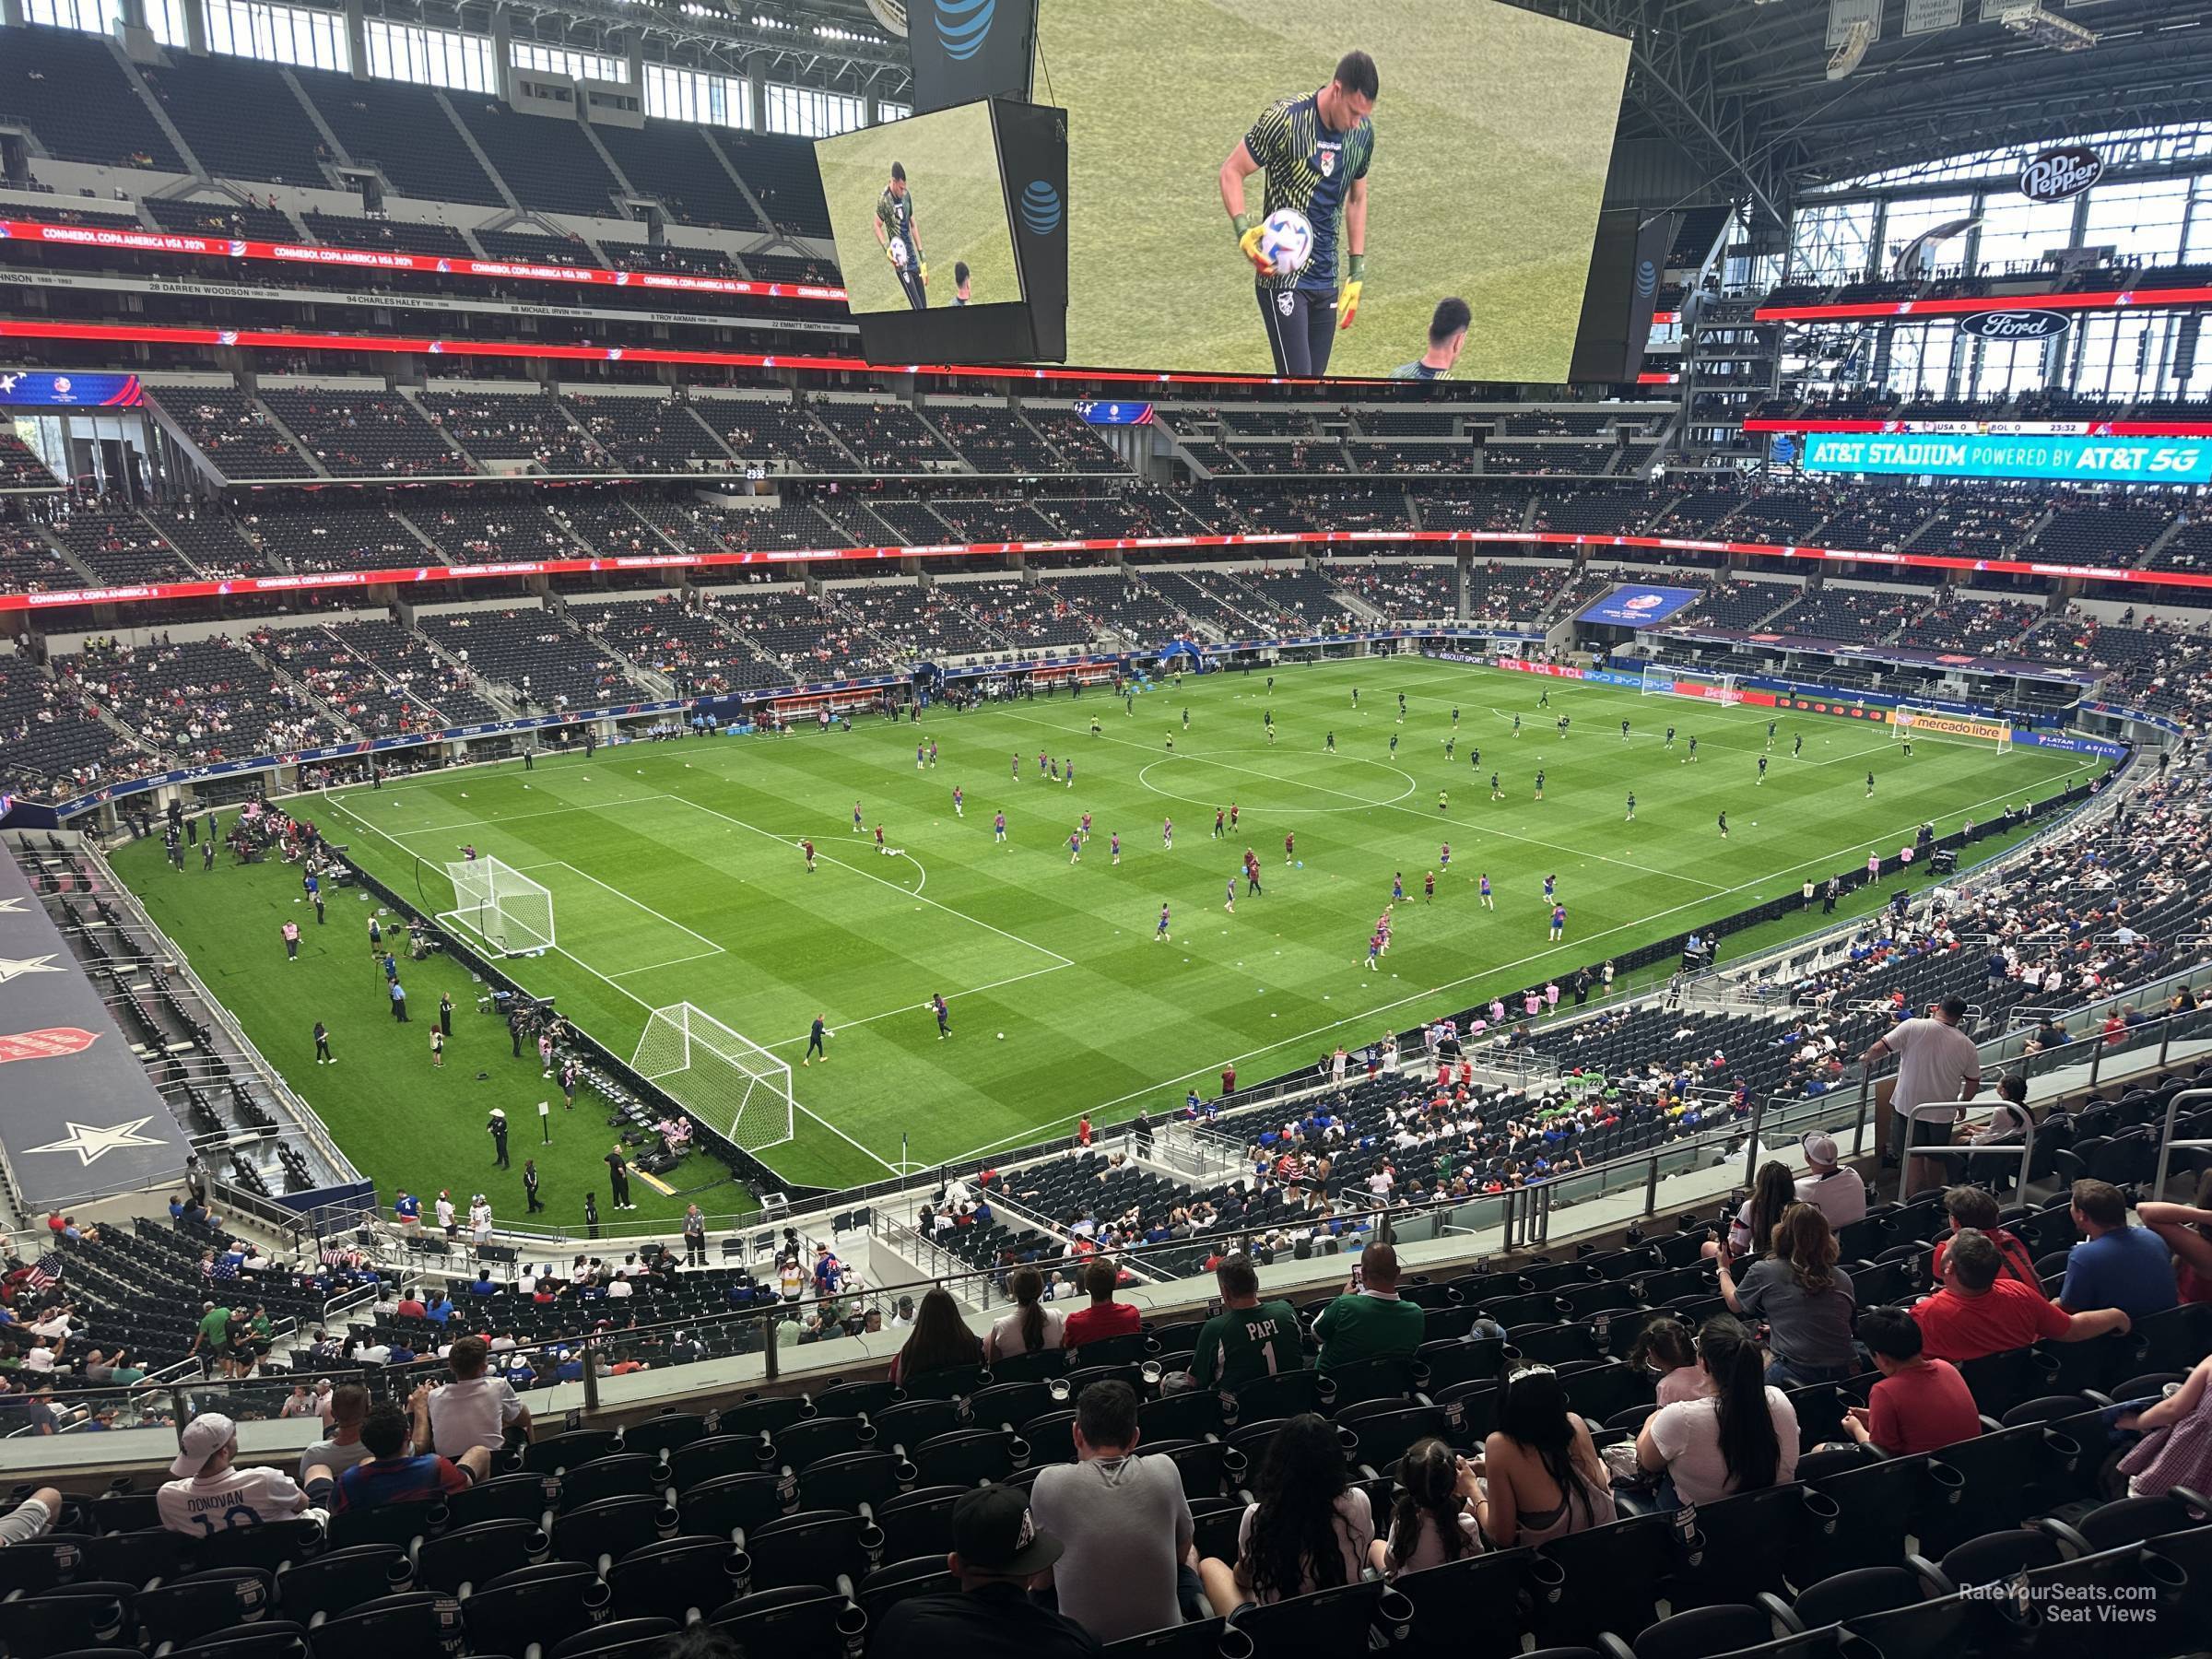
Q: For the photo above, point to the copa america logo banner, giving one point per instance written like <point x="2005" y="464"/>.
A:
<point x="2027" y="324"/>
<point x="966" y="50"/>
<point x="1635" y="606"/>
<point x="2058" y="174"/>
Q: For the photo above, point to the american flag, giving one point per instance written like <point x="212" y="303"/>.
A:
<point x="45" y="1271"/>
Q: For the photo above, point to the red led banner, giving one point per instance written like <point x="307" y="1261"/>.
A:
<point x="1891" y="309"/>
<point x="326" y="580"/>
<point x="124" y="241"/>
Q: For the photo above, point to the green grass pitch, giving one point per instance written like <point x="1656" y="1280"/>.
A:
<point x="1493" y="131"/>
<point x="676" y="877"/>
<point x="959" y="207"/>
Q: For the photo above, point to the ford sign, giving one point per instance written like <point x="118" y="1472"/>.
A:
<point x="2016" y="324"/>
<point x="2057" y="174"/>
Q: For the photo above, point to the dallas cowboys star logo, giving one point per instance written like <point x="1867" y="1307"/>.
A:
<point x="93" y="1142"/>
<point x="12" y="966"/>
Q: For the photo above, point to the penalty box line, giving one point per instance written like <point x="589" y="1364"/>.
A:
<point x="561" y="864"/>
<point x="621" y="989"/>
<point x="1497" y="969"/>
<point x="914" y="893"/>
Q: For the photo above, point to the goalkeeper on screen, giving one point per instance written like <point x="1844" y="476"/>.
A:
<point x="1316" y="149"/>
<point x="895" y="236"/>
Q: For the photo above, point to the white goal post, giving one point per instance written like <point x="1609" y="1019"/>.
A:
<point x="501" y="906"/>
<point x="729" y="1081"/>
<point x="1911" y="725"/>
<point x="1662" y="680"/>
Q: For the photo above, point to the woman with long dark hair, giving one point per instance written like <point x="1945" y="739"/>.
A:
<point x="1806" y="1299"/>
<point x="1033" y="1327"/>
<point x="1542" y="1476"/>
<point x="1309" y="1530"/>
<point x="1774" y="1189"/>
<point x="1743" y="1439"/>
<point x="940" y="1339"/>
<point x="1432" y="1517"/>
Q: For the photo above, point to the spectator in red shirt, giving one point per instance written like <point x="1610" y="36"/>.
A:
<point x="1083" y="1130"/>
<point x="1920" y="1403"/>
<point x="1977" y="1207"/>
<point x="1978" y="1313"/>
<point x="1104" y="1317"/>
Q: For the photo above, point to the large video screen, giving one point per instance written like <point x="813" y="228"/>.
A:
<point x="918" y="210"/>
<point x="1473" y="173"/>
<point x="2082" y="460"/>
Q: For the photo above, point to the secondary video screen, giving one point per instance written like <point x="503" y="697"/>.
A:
<point x="1461" y="161"/>
<point x="918" y="210"/>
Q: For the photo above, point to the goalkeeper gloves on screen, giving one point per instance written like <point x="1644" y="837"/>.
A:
<point x="1348" y="302"/>
<point x="923" y="268"/>
<point x="1248" y="245"/>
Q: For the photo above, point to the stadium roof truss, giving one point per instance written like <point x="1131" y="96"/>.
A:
<point x="1743" y="88"/>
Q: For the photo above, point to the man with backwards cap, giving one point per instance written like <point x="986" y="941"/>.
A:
<point x="996" y="1551"/>
<point x="1833" y="1187"/>
<point x="210" y="1494"/>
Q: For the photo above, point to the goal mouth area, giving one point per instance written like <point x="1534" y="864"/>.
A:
<point x="721" y="1077"/>
<point x="460" y="923"/>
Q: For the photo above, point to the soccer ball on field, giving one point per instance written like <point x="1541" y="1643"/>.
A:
<point x="1002" y="1036"/>
<point x="1287" y="238"/>
<point x="898" y="253"/>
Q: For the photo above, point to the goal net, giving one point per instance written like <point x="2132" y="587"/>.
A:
<point x="1661" y="680"/>
<point x="1911" y="725"/>
<point x="501" y="906"/>
<point x="728" y="1080"/>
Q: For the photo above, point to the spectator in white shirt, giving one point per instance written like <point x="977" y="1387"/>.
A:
<point x="473" y="1410"/>
<point x="1032" y="1327"/>
<point x="210" y="1494"/>
<point x="1742" y="1438"/>
<point x="1833" y="1188"/>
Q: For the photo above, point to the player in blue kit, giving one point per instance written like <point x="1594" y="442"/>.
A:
<point x="944" y="1014"/>
<point x="1159" y="934"/>
<point x="959" y="803"/>
<point x="1398" y="886"/>
<point x="1316" y="149"/>
<point x="1551" y="888"/>
<point x="856" y="824"/>
<point x="1229" y="899"/>
<point x="998" y="827"/>
<point x="921" y="756"/>
<point x="1113" y="844"/>
<point x="1075" y="846"/>
<point x="1484" y="887"/>
<point x="1559" y="923"/>
<point x="1443" y="857"/>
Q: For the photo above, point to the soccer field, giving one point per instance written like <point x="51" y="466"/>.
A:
<point x="676" y="877"/>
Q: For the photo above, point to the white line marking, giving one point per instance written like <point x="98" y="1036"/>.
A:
<point x="562" y="863"/>
<point x="825" y="1122"/>
<point x="697" y="956"/>
<point x="1640" y="923"/>
<point x="923" y="1007"/>
<point x="855" y="869"/>
<point x="512" y="818"/>
<point x="1554" y="847"/>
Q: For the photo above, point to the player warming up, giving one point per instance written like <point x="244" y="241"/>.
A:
<point x="895" y="235"/>
<point x="1159" y="934"/>
<point x="959" y="803"/>
<point x="1315" y="149"/>
<point x="807" y="847"/>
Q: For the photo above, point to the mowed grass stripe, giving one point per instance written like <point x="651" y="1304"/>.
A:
<point x="1132" y="1021"/>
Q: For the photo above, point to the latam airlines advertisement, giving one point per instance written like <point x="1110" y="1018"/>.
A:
<point x="2047" y="455"/>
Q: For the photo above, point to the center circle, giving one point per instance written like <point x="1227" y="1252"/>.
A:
<point x="1256" y="790"/>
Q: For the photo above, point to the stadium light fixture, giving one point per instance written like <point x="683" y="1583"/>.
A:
<point x="2045" y="28"/>
<point x="1852" y="53"/>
